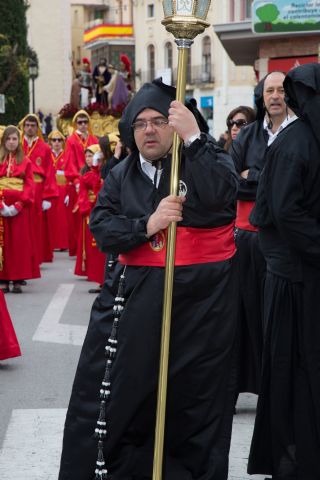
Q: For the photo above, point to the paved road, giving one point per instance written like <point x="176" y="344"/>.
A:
<point x="50" y="319"/>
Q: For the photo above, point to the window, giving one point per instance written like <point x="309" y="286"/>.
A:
<point x="248" y="8"/>
<point x="168" y="55"/>
<point x="98" y="14"/>
<point x="150" y="11"/>
<point x="206" y="58"/>
<point x="232" y="11"/>
<point x="151" y="62"/>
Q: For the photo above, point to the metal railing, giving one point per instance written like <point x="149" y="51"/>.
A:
<point x="196" y="75"/>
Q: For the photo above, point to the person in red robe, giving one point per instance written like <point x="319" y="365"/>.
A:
<point x="76" y="144"/>
<point x="46" y="187"/>
<point x="90" y="261"/>
<point x="18" y="259"/>
<point x="9" y="345"/>
<point x="58" y="212"/>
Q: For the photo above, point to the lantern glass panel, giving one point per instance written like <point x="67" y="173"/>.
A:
<point x="184" y="7"/>
<point x="168" y="8"/>
<point x="202" y="8"/>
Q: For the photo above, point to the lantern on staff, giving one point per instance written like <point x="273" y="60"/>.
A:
<point x="185" y="19"/>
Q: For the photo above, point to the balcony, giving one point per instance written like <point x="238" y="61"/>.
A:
<point x="108" y="34"/>
<point x="196" y="76"/>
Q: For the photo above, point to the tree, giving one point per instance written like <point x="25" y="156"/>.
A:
<point x="267" y="14"/>
<point x="14" y="57"/>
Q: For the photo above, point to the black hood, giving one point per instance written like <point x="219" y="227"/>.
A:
<point x="155" y="95"/>
<point x="258" y="99"/>
<point x="158" y="96"/>
<point x="302" y="87"/>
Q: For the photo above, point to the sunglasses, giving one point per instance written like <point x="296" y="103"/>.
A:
<point x="56" y="139"/>
<point x="82" y="122"/>
<point x="238" y="123"/>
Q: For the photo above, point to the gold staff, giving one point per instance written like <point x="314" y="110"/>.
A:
<point x="185" y="19"/>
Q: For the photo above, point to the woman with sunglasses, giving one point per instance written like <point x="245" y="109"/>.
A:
<point x="18" y="258"/>
<point x="249" y="336"/>
<point x="58" y="213"/>
<point x="238" y="118"/>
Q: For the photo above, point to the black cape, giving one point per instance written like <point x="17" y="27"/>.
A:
<point x="200" y="393"/>
<point x="286" y="440"/>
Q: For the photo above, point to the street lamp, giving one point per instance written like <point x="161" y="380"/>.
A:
<point x="185" y="19"/>
<point x="33" y="73"/>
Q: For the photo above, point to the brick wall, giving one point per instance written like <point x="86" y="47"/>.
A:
<point x="295" y="46"/>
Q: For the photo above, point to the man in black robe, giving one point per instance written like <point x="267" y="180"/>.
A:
<point x="248" y="153"/>
<point x="130" y="219"/>
<point x="286" y="440"/>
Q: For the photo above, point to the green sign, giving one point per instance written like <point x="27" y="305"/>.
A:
<point x="284" y="16"/>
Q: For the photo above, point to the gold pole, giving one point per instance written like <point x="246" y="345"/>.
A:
<point x="183" y="47"/>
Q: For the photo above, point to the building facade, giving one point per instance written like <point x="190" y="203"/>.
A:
<point x="101" y="29"/>
<point x="271" y="48"/>
<point x="212" y="78"/>
<point x="49" y="34"/>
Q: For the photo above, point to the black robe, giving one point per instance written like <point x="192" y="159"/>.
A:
<point x="286" y="439"/>
<point x="248" y="152"/>
<point x="200" y="392"/>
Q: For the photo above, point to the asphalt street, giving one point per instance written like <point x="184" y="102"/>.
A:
<point x="50" y="318"/>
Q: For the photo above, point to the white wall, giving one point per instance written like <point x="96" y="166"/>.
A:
<point x="49" y="34"/>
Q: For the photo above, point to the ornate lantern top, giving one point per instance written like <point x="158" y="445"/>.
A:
<point x="185" y="18"/>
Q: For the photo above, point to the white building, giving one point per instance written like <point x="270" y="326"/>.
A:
<point x="49" y="34"/>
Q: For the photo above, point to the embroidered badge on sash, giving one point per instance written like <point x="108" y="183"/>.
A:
<point x="38" y="161"/>
<point x="183" y="189"/>
<point x="157" y="241"/>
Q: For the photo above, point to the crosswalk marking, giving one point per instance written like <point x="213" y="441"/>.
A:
<point x="32" y="445"/>
<point x="50" y="329"/>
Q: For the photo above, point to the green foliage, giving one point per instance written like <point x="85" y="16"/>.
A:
<point x="14" y="57"/>
<point x="267" y="13"/>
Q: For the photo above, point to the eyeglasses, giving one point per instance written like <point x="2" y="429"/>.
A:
<point x="140" y="125"/>
<point x="56" y="139"/>
<point x="82" y="122"/>
<point x="238" y="123"/>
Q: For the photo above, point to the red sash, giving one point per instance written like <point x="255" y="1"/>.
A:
<point x="243" y="212"/>
<point x="193" y="245"/>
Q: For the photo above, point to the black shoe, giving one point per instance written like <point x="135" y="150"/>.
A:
<point x="16" y="288"/>
<point x="94" y="290"/>
<point x="22" y="282"/>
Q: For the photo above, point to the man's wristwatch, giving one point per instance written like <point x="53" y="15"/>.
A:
<point x="191" y="139"/>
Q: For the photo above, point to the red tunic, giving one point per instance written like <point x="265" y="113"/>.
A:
<point x="9" y="346"/>
<point x="57" y="214"/>
<point x="19" y="250"/>
<point x="46" y="189"/>
<point x="74" y="161"/>
<point x="90" y="261"/>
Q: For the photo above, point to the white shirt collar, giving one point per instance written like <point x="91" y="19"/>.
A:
<point x="149" y="169"/>
<point x="31" y="140"/>
<point x="273" y="136"/>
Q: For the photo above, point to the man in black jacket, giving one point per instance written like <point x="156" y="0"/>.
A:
<point x="130" y="219"/>
<point x="248" y="153"/>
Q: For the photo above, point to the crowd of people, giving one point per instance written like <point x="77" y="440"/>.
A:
<point x="244" y="307"/>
